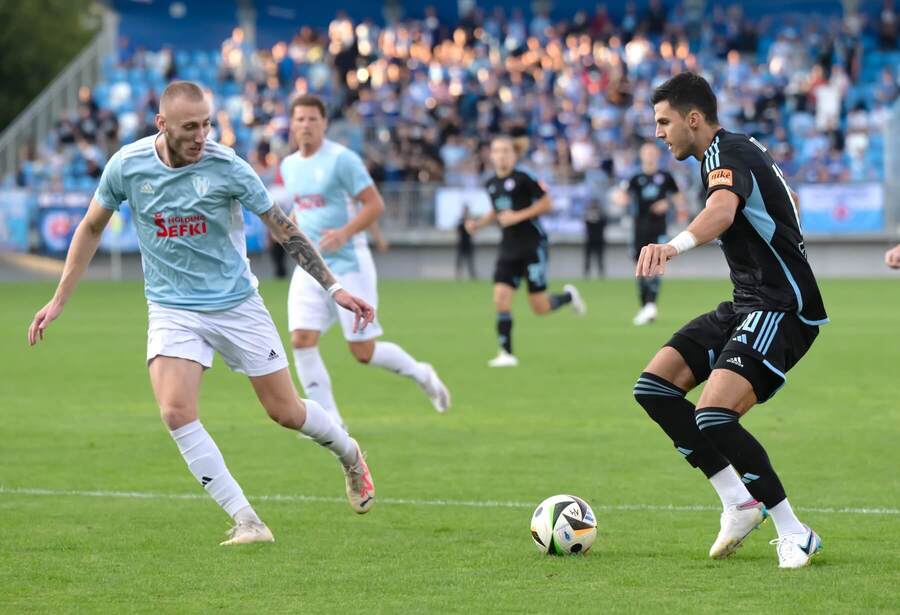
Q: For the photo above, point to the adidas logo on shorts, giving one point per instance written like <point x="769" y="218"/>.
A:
<point x="272" y="355"/>
<point x="735" y="361"/>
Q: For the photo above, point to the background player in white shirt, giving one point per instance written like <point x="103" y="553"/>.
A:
<point x="186" y="193"/>
<point x="323" y="180"/>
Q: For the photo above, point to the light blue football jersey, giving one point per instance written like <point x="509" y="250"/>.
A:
<point x="321" y="190"/>
<point x="189" y="222"/>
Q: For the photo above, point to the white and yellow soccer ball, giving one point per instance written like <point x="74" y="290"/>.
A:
<point x="563" y="525"/>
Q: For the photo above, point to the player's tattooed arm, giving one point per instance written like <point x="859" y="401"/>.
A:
<point x="298" y="246"/>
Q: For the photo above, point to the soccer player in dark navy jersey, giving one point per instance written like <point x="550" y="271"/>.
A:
<point x="518" y="200"/>
<point x="744" y="347"/>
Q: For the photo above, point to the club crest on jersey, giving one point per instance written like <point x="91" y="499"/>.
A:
<point x="201" y="185"/>
<point x="720" y="177"/>
<point x="509" y="184"/>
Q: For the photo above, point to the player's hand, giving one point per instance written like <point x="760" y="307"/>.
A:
<point x="652" y="260"/>
<point x="382" y="245"/>
<point x="364" y="313"/>
<point x="42" y="320"/>
<point x="333" y="239"/>
<point x="471" y="226"/>
<point x="892" y="258"/>
<point x="507" y="217"/>
<point x="660" y="207"/>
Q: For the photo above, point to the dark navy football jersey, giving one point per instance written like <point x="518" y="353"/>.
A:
<point x="517" y="191"/>
<point x="764" y="245"/>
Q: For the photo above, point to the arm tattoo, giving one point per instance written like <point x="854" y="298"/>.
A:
<point x="299" y="247"/>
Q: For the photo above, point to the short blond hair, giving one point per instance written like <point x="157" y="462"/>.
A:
<point x="181" y="89"/>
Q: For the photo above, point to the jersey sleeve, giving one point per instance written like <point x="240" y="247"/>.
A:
<point x="724" y="170"/>
<point x="535" y="187"/>
<point x="111" y="189"/>
<point x="247" y="187"/>
<point x="352" y="173"/>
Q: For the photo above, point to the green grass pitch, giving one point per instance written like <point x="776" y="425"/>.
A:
<point x="78" y="416"/>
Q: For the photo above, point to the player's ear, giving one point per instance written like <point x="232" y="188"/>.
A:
<point x="160" y="122"/>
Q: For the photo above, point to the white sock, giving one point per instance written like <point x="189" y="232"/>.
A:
<point x="732" y="491"/>
<point x="326" y="431"/>
<point x="786" y="522"/>
<point x="316" y="382"/>
<point x="208" y="466"/>
<point x="390" y="356"/>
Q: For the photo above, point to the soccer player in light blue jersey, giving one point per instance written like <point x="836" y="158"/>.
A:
<point x="323" y="181"/>
<point x="186" y="193"/>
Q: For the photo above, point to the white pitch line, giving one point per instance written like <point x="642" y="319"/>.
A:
<point x="149" y="495"/>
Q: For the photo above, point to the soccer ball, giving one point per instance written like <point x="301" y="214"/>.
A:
<point x="563" y="525"/>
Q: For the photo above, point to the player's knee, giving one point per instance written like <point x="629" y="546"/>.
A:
<point x="304" y="339"/>
<point x="650" y="390"/>
<point x="286" y="411"/>
<point x="176" y="413"/>
<point x="362" y="352"/>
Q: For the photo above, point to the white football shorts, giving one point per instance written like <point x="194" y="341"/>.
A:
<point x="311" y="308"/>
<point x="244" y="335"/>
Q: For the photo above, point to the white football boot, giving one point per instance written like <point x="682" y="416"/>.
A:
<point x="736" y="524"/>
<point x="647" y="314"/>
<point x="504" y="359"/>
<point x="246" y="532"/>
<point x="578" y="304"/>
<point x="360" y="487"/>
<point x="796" y="550"/>
<point x="436" y="391"/>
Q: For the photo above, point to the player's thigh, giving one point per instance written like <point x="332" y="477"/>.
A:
<point x="727" y="389"/>
<point x="277" y="394"/>
<point x="247" y="338"/>
<point x="764" y="346"/>
<point x="363" y="284"/>
<point x="176" y="386"/>
<point x="309" y="306"/>
<point x="698" y="344"/>
<point x="670" y="365"/>
<point x="536" y="268"/>
<point x="508" y="272"/>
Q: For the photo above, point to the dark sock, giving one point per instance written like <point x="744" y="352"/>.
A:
<point x="652" y="289"/>
<point x="504" y="330"/>
<point x="642" y="291"/>
<point x="747" y="455"/>
<point x="559" y="300"/>
<point x="665" y="403"/>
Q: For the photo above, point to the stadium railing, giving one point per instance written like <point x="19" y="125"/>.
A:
<point x="35" y="122"/>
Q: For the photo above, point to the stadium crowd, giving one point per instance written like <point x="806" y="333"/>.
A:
<point x="418" y="98"/>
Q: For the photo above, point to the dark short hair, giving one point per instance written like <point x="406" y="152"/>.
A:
<point x="687" y="91"/>
<point x="309" y="100"/>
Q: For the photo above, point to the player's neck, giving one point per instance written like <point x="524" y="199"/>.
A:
<point x="506" y="174"/>
<point x="705" y="136"/>
<point x="168" y="156"/>
<point x="649" y="170"/>
<point x="310" y="149"/>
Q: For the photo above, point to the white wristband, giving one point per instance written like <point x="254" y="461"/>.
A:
<point x="683" y="241"/>
<point x="334" y="288"/>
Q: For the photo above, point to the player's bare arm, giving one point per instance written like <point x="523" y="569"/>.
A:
<point x="717" y="216"/>
<point x="81" y="251"/>
<point x="371" y="210"/>
<point x="304" y="252"/>
<point x="473" y="225"/>
<point x="540" y="207"/>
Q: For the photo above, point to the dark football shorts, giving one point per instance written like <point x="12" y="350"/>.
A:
<point x="643" y="238"/>
<point x="530" y="264"/>
<point x="761" y="346"/>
